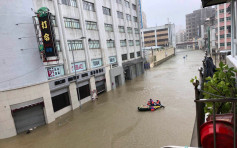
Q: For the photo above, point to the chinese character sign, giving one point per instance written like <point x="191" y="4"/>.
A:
<point x="54" y="72"/>
<point x="96" y="63"/>
<point x="79" y="66"/>
<point x="47" y="35"/>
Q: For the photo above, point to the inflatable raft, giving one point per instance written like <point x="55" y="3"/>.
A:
<point x="149" y="108"/>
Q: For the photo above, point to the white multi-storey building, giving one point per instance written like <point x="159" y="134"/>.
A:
<point x="100" y="39"/>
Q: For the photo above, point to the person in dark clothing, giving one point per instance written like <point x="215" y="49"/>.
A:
<point x="210" y="68"/>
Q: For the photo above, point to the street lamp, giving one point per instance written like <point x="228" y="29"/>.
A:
<point x="78" y="92"/>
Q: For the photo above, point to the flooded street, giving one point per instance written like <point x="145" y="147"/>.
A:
<point x="114" y="122"/>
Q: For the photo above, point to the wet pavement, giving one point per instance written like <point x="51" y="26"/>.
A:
<point x="114" y="122"/>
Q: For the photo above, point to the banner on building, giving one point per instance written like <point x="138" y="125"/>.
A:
<point x="56" y="71"/>
<point x="79" y="66"/>
<point x="96" y="63"/>
<point x="47" y="33"/>
<point x="112" y="59"/>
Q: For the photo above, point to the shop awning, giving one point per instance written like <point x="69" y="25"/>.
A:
<point x="207" y="3"/>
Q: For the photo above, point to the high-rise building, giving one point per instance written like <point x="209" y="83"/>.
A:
<point x="223" y="23"/>
<point x="181" y="36"/>
<point x="97" y="47"/>
<point x="195" y="20"/>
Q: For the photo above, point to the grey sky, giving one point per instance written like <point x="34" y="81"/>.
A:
<point x="158" y="11"/>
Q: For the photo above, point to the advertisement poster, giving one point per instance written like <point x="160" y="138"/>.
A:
<point x="79" y="66"/>
<point x="54" y="72"/>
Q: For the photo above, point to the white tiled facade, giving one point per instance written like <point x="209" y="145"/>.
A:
<point x="26" y="78"/>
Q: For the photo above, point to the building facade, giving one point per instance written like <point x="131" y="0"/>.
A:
<point x="223" y="23"/>
<point x="159" y="36"/>
<point x="195" y="20"/>
<point x="98" y="45"/>
<point x="181" y="36"/>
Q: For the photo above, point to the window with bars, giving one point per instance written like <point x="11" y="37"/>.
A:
<point x="75" y="45"/>
<point x="131" y="43"/>
<point x="57" y="45"/>
<point x="228" y="43"/>
<point x="53" y="21"/>
<point x="128" y="17"/>
<point x="88" y="6"/>
<point x="221" y="11"/>
<point x="228" y="35"/>
<point x="109" y="27"/>
<point x="222" y="44"/>
<point x="129" y="30"/>
<point x="222" y="36"/>
<point x="110" y="44"/>
<point x="94" y="44"/>
<point x="132" y="55"/>
<point x="134" y="7"/>
<point x="138" y="54"/>
<point x="72" y="3"/>
<point x="120" y="14"/>
<point x="127" y="4"/>
<point x="136" y="30"/>
<point x="72" y="23"/>
<point x="124" y="57"/>
<point x="106" y="11"/>
<point x="135" y="19"/>
<point x="137" y="43"/>
<point x="119" y="1"/>
<point x="222" y="28"/>
<point x="91" y="25"/>
<point x="123" y="43"/>
<point x="228" y="18"/>
<point x="222" y="19"/>
<point x="121" y="29"/>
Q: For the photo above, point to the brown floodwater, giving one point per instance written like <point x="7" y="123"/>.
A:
<point x="114" y="122"/>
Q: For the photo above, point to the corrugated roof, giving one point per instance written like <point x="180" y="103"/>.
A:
<point x="207" y="3"/>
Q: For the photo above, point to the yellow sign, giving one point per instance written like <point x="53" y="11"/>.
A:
<point x="44" y="24"/>
<point x="46" y="37"/>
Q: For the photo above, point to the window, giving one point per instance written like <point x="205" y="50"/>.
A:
<point x="129" y="29"/>
<point x="120" y="14"/>
<point x="88" y="6"/>
<point x="138" y="54"/>
<point x="127" y="4"/>
<point x="71" y="23"/>
<point x="72" y="3"/>
<point x="137" y="43"/>
<point x="91" y="25"/>
<point x="110" y="44"/>
<point x="57" y="45"/>
<point x="75" y="45"/>
<point x="94" y="44"/>
<point x="221" y="11"/>
<point x="61" y="101"/>
<point x="228" y="18"/>
<point x="124" y="57"/>
<point x="131" y="43"/>
<point x="135" y="19"/>
<point x="119" y="1"/>
<point x="222" y="44"/>
<point x="136" y="30"/>
<point x="129" y="18"/>
<point x="106" y="11"/>
<point x="121" y="29"/>
<point x="222" y="19"/>
<point x="222" y="28"/>
<point x="53" y="21"/>
<point x="123" y="43"/>
<point x="132" y="55"/>
<point x="228" y="43"/>
<point x="222" y="36"/>
<point x="109" y="27"/>
<point x="228" y="35"/>
<point x="134" y="7"/>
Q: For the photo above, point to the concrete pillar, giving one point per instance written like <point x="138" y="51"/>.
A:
<point x="73" y="96"/>
<point x="108" y="80"/>
<point x="93" y="87"/>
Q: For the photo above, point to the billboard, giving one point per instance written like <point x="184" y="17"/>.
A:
<point x="55" y="71"/>
<point x="79" y="66"/>
<point x="47" y="35"/>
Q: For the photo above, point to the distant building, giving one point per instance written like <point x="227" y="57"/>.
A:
<point x="223" y="23"/>
<point x="144" y="20"/>
<point x="181" y="36"/>
<point x="159" y="36"/>
<point x="195" y="20"/>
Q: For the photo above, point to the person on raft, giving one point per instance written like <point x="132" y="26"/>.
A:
<point x="150" y="102"/>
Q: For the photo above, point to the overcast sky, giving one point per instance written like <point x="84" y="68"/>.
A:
<point x="158" y="11"/>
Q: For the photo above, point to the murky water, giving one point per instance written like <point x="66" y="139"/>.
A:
<point x="114" y="122"/>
